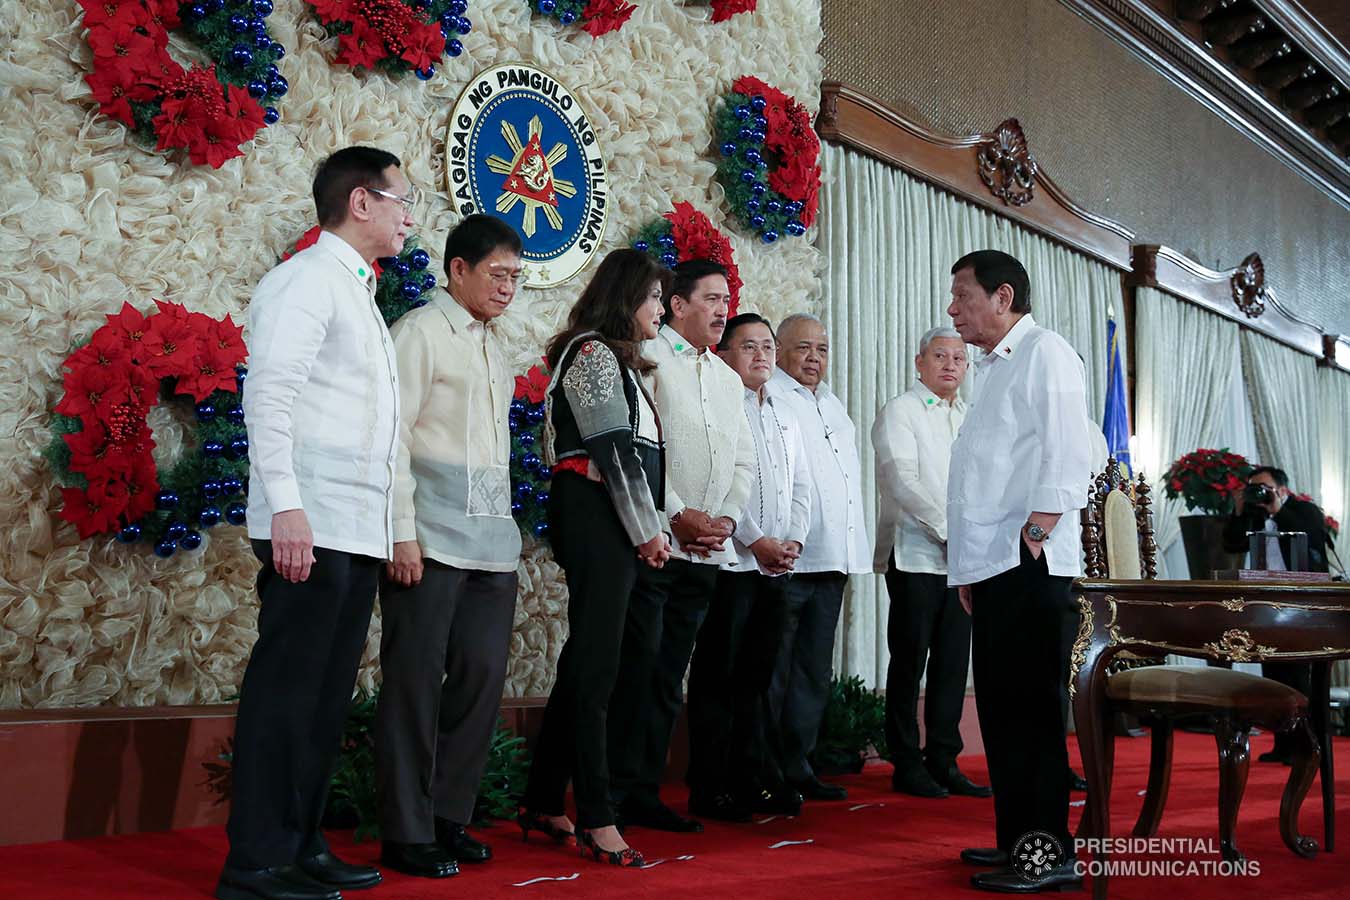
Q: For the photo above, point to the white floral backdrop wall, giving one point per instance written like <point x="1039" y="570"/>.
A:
<point x="88" y="220"/>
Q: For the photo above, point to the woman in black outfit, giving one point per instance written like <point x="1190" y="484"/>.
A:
<point x="603" y="440"/>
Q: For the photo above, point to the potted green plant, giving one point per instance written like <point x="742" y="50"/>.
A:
<point x="1207" y="481"/>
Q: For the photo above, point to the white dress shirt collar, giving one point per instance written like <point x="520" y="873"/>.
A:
<point x="349" y="256"/>
<point x="456" y="314"/>
<point x="932" y="401"/>
<point x="680" y="344"/>
<point x="1007" y="346"/>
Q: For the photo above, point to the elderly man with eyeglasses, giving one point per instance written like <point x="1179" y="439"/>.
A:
<point x="448" y="598"/>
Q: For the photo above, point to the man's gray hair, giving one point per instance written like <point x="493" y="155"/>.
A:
<point x="798" y="318"/>
<point x="933" y="334"/>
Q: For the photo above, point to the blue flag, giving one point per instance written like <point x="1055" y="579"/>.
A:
<point x="1116" y="420"/>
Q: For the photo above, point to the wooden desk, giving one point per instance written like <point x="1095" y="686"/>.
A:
<point x="1233" y="621"/>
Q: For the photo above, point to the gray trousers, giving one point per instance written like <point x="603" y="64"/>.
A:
<point x="801" y="678"/>
<point x="443" y="655"/>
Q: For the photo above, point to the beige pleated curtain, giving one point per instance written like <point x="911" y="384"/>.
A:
<point x="889" y="242"/>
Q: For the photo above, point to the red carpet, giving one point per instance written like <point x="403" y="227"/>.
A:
<point x="875" y="844"/>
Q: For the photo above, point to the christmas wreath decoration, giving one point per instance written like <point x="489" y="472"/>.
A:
<point x="401" y="281"/>
<point x="684" y="233"/>
<point x="599" y="17"/>
<point x="101" y="445"/>
<point x="530" y="476"/>
<point x="770" y="165"/>
<point x="395" y="36"/>
<point x="207" y="110"/>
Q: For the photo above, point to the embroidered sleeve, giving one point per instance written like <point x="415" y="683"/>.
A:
<point x="594" y="390"/>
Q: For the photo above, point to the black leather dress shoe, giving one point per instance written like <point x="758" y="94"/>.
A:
<point x="326" y="868"/>
<point x="721" y="806"/>
<point x="1007" y="881"/>
<point x="1276" y="756"/>
<point x="814" y="789"/>
<point x="419" y="860"/>
<point x="918" y="783"/>
<point x="955" y="781"/>
<point x="778" y="800"/>
<point x="984" y="857"/>
<point x="458" y="843"/>
<point x="1077" y="782"/>
<point x="659" y="816"/>
<point x="275" y="883"/>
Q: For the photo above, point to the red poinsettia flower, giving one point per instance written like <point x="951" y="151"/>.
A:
<point x="533" y="385"/>
<point x="226" y="340"/>
<point x="697" y="238"/>
<point x="363" y="47"/>
<point x="180" y="122"/>
<point x="603" y="16"/>
<point x="110" y="13"/>
<point x="122" y="43"/>
<point x="335" y="10"/>
<point x="215" y="144"/>
<point x="164" y="14"/>
<point x="246" y="113"/>
<point x="725" y="9"/>
<point x="95" y="453"/>
<point x="93" y="390"/>
<point x="170" y="345"/>
<point x="142" y="485"/>
<point x="96" y="509"/>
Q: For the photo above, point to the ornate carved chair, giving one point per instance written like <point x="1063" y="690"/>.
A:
<point x="1118" y="544"/>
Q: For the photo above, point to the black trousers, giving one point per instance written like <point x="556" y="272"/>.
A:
<point x="601" y="565"/>
<point x="293" y="704"/>
<point x="1021" y="642"/>
<point x="801" y="679"/>
<point x="729" y="681"/>
<point x="664" y="614"/>
<point x="926" y="628"/>
<point x="443" y="651"/>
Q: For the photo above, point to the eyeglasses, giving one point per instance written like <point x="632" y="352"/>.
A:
<point x="409" y="203"/>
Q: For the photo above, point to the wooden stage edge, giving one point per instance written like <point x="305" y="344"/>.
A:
<point x="77" y="773"/>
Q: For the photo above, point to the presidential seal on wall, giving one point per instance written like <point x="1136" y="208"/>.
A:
<point x="520" y="147"/>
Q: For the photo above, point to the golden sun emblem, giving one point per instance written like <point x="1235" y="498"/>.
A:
<point x="529" y="177"/>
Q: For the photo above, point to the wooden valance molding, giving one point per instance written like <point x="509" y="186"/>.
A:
<point x="1239" y="293"/>
<point x="996" y="170"/>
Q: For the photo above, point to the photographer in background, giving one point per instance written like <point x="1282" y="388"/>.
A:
<point x="1267" y="505"/>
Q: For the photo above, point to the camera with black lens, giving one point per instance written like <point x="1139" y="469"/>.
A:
<point x="1258" y="493"/>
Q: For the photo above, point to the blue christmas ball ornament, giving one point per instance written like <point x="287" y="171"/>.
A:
<point x="758" y="135"/>
<point x="745" y="134"/>
<point x="758" y="189"/>
<point x="446" y="30"/>
<point x="728" y="149"/>
<point x="215" y="5"/>
<point x="273" y="71"/>
<point x="411" y="290"/>
<point x="517" y="507"/>
<point x="545" y="472"/>
<point x="524" y="492"/>
<point x="241" y="56"/>
<point x="270" y="115"/>
<point x="463" y="25"/>
<point x="530" y="462"/>
<point x="211" y="489"/>
<point x="536" y="415"/>
<point x="402" y="267"/>
<point x="772" y="206"/>
<point x="262" y="41"/>
<point x="164" y="548"/>
<point x="669" y="260"/>
<point x="769" y="236"/>
<point x="206" y="411"/>
<point x="278" y="86"/>
<point x="792" y="207"/>
<point x="541" y="497"/>
<point x="747" y="175"/>
<point x="795" y="228"/>
<point x="236" y="514"/>
<point x="518" y="406"/>
<point x="526" y="438"/>
<point x="166" y="500"/>
<point x="741" y="112"/>
<point x="641" y="246"/>
<point x="278" y="50"/>
<point x="262" y="7"/>
<point x="458" y="7"/>
<point x="752" y="155"/>
<point x="239" y="448"/>
<point x="129" y="534"/>
<point x="752" y="205"/>
<point x="213" y="448"/>
<point x="453" y="47"/>
<point x="231" y="486"/>
<point x="257" y="89"/>
<point x="546" y="6"/>
<point x="419" y="259"/>
<point x="210" y="515"/>
<point x="761" y="123"/>
<point x="567" y="17"/>
<point x="757" y="222"/>
<point x="425" y="74"/>
<point x="175" y="530"/>
<point x="666" y="240"/>
<point x="197" y="11"/>
<point x="757" y="103"/>
<point x="235" y="414"/>
<point x="540" y="529"/>
<point x="428" y="281"/>
<point x="238" y="24"/>
<point x="190" y="541"/>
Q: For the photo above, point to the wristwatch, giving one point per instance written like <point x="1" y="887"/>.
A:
<point x="1036" y="533"/>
